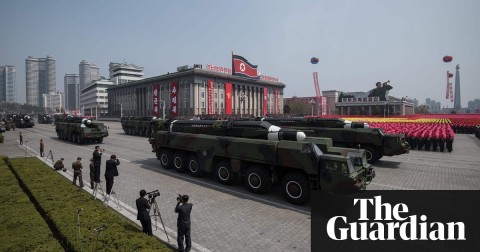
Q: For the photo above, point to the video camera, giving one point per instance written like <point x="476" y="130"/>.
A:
<point x="153" y="194"/>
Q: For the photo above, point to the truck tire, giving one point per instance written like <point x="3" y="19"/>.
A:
<point x="193" y="166"/>
<point x="372" y="154"/>
<point x="180" y="161"/>
<point x="257" y="179"/>
<point x="224" y="173"/>
<point x="296" y="188"/>
<point x="166" y="158"/>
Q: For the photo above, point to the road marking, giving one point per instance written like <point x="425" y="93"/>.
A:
<point x="398" y="187"/>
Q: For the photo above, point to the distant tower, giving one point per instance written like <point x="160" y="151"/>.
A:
<point x="457" y="102"/>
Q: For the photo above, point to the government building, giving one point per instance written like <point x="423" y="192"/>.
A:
<point x="194" y="91"/>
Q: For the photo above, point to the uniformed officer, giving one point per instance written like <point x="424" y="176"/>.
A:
<point x="77" y="172"/>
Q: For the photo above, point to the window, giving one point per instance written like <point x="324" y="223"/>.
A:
<point x="202" y="94"/>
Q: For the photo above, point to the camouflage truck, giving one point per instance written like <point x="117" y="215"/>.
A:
<point x="23" y="121"/>
<point x="260" y="154"/>
<point x="44" y="119"/>
<point x="137" y="125"/>
<point x="349" y="134"/>
<point x="80" y="130"/>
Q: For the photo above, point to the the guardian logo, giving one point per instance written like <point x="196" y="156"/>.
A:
<point x="391" y="223"/>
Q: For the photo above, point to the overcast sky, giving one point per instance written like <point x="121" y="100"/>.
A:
<point x="358" y="42"/>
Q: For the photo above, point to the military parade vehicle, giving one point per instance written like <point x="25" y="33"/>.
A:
<point x="259" y="153"/>
<point x="23" y="121"/>
<point x="45" y="119"/>
<point x="80" y="130"/>
<point x="348" y="134"/>
<point x="477" y="131"/>
<point x="137" y="125"/>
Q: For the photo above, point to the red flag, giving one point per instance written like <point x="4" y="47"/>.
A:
<point x="265" y="103"/>
<point x="241" y="67"/>
<point x="173" y="99"/>
<point x="228" y="100"/>
<point x="210" y="97"/>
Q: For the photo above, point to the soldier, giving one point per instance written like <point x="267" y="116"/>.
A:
<point x="92" y="173"/>
<point x="59" y="165"/>
<point x="42" y="147"/>
<point x="21" y="137"/>
<point x="77" y="172"/>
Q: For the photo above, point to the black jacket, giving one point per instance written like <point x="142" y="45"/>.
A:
<point x="142" y="208"/>
<point x="183" y="220"/>
<point x="97" y="158"/>
<point x="111" y="168"/>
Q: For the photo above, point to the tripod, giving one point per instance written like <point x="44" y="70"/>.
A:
<point x="156" y="212"/>
<point x="50" y="156"/>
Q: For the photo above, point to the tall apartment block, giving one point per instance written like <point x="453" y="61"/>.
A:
<point x="123" y="72"/>
<point x="87" y="73"/>
<point x="72" y="91"/>
<point x="40" y="79"/>
<point x="7" y="83"/>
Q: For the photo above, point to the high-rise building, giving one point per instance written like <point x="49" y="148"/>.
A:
<point x="123" y="72"/>
<point x="7" y="83"/>
<point x="40" y="79"/>
<point x="72" y="91"/>
<point x="87" y="73"/>
<point x="457" y="103"/>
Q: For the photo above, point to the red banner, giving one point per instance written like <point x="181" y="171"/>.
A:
<point x="173" y="99"/>
<point x="210" y="97"/>
<point x="241" y="67"/>
<point x="275" y="109"/>
<point x="265" y="101"/>
<point x="228" y="98"/>
<point x="156" y="101"/>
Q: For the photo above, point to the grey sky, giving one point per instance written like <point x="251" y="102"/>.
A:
<point x="358" y="42"/>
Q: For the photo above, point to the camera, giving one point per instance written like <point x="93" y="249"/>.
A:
<point x="153" y="194"/>
<point x="179" y="198"/>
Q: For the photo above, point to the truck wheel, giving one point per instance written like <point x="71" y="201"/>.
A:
<point x="194" y="167"/>
<point x="180" y="161"/>
<point x="166" y="158"/>
<point x="257" y="179"/>
<point x="100" y="140"/>
<point x="224" y="173"/>
<point x="372" y="154"/>
<point x="296" y="188"/>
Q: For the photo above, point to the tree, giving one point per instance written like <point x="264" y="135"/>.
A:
<point x="286" y="109"/>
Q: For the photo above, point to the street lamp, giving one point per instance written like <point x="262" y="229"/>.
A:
<point x="312" y="102"/>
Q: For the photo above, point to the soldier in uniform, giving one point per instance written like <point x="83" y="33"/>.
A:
<point x="21" y="137"/>
<point x="42" y="147"/>
<point x="59" y="165"/>
<point x="77" y="172"/>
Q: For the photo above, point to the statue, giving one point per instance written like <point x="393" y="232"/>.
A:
<point x="381" y="91"/>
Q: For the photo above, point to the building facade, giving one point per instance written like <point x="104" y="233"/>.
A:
<point x="193" y="91"/>
<point x="40" y="79"/>
<point x="121" y="73"/>
<point x="7" y="83"/>
<point x="94" y="98"/>
<point x="87" y="72"/>
<point x="53" y="102"/>
<point x="72" y="91"/>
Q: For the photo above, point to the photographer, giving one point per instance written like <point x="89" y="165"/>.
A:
<point x="183" y="222"/>
<point x="143" y="215"/>
<point x="111" y="171"/>
<point x="97" y="161"/>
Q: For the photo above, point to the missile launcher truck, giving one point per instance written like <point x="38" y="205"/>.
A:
<point x="23" y="121"/>
<point x="348" y="134"/>
<point x="259" y="153"/>
<point x="137" y="125"/>
<point x="44" y="119"/>
<point x="80" y="130"/>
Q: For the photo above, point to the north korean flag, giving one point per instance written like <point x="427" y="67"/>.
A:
<point x="241" y="67"/>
